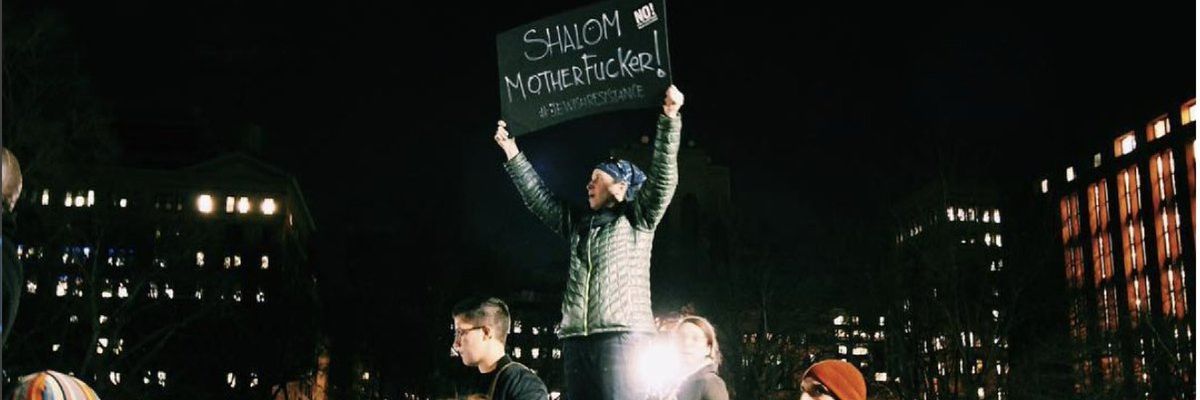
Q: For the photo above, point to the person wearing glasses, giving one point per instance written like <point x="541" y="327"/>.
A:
<point x="606" y="313"/>
<point x="833" y="380"/>
<point x="480" y="330"/>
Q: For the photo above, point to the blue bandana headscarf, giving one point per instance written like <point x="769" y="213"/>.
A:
<point x="624" y="171"/>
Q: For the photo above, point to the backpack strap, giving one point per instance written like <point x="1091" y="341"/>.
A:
<point x="492" y="391"/>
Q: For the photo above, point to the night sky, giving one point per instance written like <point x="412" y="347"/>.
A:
<point x="384" y="111"/>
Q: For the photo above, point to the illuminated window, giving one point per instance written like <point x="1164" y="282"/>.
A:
<point x="1102" y="258"/>
<point x="841" y="349"/>
<point x="123" y="203"/>
<point x="1133" y="242"/>
<point x="881" y="377"/>
<point x="1070" y="174"/>
<point x="266" y="261"/>
<point x="1168" y="234"/>
<point x="230" y="203"/>
<point x="534" y="353"/>
<point x="1096" y="160"/>
<point x="1157" y="128"/>
<point x="114" y="377"/>
<point x="839" y="320"/>
<point x="1124" y="144"/>
<point x="67" y="201"/>
<point x="268" y="206"/>
<point x="231" y="379"/>
<point x="950" y="213"/>
<point x="1073" y="254"/>
<point x="1188" y="112"/>
<point x="516" y="328"/>
<point x="996" y="216"/>
<point x="860" y="351"/>
<point x="556" y="354"/>
<point x="31" y="287"/>
<point x="517" y="352"/>
<point x="80" y="200"/>
<point x="61" y="289"/>
<point x="228" y="262"/>
<point x="243" y="205"/>
<point x="122" y="291"/>
<point x="199" y="258"/>
<point x="91" y="197"/>
<point x="1045" y="185"/>
<point x="260" y="297"/>
<point x="237" y="261"/>
<point x="204" y="203"/>
<point x="45" y="197"/>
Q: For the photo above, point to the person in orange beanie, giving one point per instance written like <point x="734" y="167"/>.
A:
<point x="833" y="380"/>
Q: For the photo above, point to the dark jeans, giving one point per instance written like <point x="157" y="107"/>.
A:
<point x="601" y="366"/>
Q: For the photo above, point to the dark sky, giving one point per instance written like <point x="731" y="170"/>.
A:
<point x="384" y="110"/>
<point x="368" y="102"/>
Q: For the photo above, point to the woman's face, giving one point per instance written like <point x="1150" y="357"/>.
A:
<point x="693" y="344"/>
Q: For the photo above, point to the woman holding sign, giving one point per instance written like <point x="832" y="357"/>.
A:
<point x="606" y="304"/>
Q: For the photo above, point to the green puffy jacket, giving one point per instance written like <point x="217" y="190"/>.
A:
<point x="608" y="284"/>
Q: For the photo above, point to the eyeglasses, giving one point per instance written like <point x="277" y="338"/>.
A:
<point x="815" y="388"/>
<point x="458" y="333"/>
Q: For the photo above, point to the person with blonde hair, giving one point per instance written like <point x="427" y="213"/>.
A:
<point x="13" y="274"/>
<point x="695" y="339"/>
<point x="11" y="170"/>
